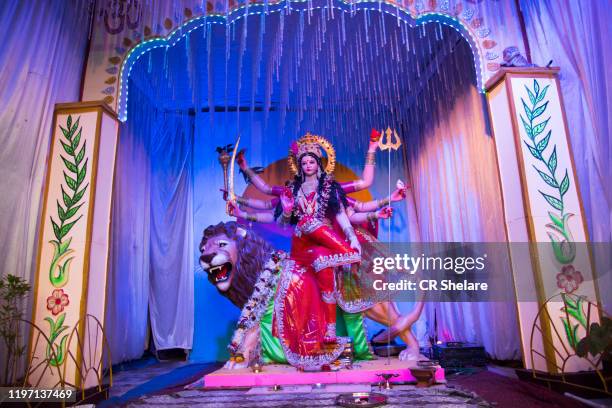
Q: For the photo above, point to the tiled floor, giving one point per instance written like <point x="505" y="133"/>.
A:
<point x="125" y="380"/>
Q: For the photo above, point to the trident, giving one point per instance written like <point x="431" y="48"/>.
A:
<point x="392" y="141"/>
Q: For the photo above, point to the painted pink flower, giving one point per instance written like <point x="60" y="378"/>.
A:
<point x="569" y="279"/>
<point x="57" y="301"/>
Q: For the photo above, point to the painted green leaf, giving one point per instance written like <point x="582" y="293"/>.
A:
<point x="569" y="302"/>
<point x="536" y="87"/>
<point x="552" y="161"/>
<point x="65" y="132"/>
<point x="555" y="202"/>
<point x="539" y="111"/>
<point x="72" y="211"/>
<point x="564" y="185"/>
<point x="532" y="97"/>
<point x="66" y="198"/>
<point x="51" y="324"/>
<point x="534" y="152"/>
<point x="56" y="230"/>
<point x="527" y="110"/>
<point x="549" y="180"/>
<point x="80" y="194"/>
<point x="569" y="333"/>
<point x="67" y="148"/>
<point x="63" y="247"/>
<point x="66" y="228"/>
<point x="76" y="140"/>
<point x="81" y="154"/>
<point x="527" y="127"/>
<point x="69" y="165"/>
<point x="82" y="173"/>
<point x="60" y="320"/>
<point x="555" y="219"/>
<point x="542" y="94"/>
<point x="542" y="144"/>
<point x="60" y="212"/>
<point x="70" y="181"/>
<point x="76" y="125"/>
<point x="69" y="122"/>
<point x="539" y="128"/>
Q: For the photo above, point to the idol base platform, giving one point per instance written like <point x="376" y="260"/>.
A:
<point x="281" y="374"/>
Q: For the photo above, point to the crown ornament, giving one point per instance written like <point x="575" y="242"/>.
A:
<point x="315" y="145"/>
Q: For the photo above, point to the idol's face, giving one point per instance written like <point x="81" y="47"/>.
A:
<point x="309" y="165"/>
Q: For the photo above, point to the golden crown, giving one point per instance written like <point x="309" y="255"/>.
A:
<point x="312" y="144"/>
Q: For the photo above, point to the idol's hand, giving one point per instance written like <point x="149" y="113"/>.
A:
<point x="384" y="213"/>
<point x="374" y="138"/>
<point x="233" y="210"/>
<point x="225" y="193"/>
<point x="287" y="201"/>
<point x="400" y="192"/>
<point x="241" y="160"/>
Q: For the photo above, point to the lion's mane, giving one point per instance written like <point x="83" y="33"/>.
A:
<point x="253" y="253"/>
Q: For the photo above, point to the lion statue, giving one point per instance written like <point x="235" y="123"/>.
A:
<point x="245" y="269"/>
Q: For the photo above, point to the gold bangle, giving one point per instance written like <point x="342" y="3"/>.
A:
<point x="251" y="217"/>
<point x="372" y="216"/>
<point x="370" y="159"/>
<point x="241" y="200"/>
<point x="383" y="202"/>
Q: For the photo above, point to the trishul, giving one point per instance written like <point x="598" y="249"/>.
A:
<point x="230" y="181"/>
<point x="392" y="141"/>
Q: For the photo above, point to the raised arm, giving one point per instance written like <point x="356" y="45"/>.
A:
<point x="348" y="230"/>
<point x="364" y="206"/>
<point x="367" y="177"/>
<point x="235" y="211"/>
<point x="254" y="178"/>
<point x="255" y="203"/>
<point x="361" y="217"/>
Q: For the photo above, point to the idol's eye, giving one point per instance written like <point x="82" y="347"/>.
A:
<point x="221" y="244"/>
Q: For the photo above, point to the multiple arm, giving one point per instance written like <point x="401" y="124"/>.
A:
<point x="257" y="181"/>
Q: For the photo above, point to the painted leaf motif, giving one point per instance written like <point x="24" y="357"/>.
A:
<point x="81" y="154"/>
<point x="547" y="179"/>
<point x="542" y="94"/>
<point x="555" y="202"/>
<point x="542" y="144"/>
<point x="80" y="194"/>
<point x="538" y="111"/>
<point x="76" y="140"/>
<point x="56" y="230"/>
<point x="67" y="148"/>
<point x="60" y="212"/>
<point x="527" y="127"/>
<point x="60" y="320"/>
<point x="569" y="302"/>
<point x="69" y="122"/>
<point x="63" y="247"/>
<point x="536" y="87"/>
<point x="532" y="97"/>
<point x="70" y="213"/>
<point x="70" y="181"/>
<point x="82" y="173"/>
<point x="539" y="128"/>
<point x="528" y="111"/>
<point x="533" y="151"/>
<point x="69" y="165"/>
<point x="65" y="132"/>
<point x="51" y="324"/>
<point x="66" y="228"/>
<point x="564" y="184"/>
<point x="556" y="220"/>
<point x="552" y="161"/>
<point x="66" y="198"/>
<point x="75" y="126"/>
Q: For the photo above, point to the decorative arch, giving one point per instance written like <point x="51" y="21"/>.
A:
<point x="462" y="19"/>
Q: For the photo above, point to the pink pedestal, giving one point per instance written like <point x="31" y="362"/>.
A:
<point x="277" y="374"/>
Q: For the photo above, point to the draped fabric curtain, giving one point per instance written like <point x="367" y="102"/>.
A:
<point x="151" y="269"/>
<point x="457" y="198"/>
<point x="576" y="37"/>
<point x="42" y="54"/>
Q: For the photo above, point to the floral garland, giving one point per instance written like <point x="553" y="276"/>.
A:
<point x="256" y="306"/>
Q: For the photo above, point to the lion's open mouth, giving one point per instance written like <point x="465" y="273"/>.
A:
<point x="220" y="273"/>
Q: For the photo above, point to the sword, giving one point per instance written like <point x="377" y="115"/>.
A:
<point x="230" y="182"/>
